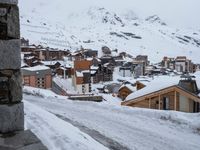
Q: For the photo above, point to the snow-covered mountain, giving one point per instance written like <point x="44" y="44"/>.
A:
<point x="50" y="24"/>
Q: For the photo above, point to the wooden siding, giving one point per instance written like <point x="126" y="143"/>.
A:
<point x="48" y="81"/>
<point x="156" y="100"/>
<point x="124" y="92"/>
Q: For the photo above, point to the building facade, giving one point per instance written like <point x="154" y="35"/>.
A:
<point x="38" y="76"/>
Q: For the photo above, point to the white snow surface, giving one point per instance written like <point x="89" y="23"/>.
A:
<point x="37" y="68"/>
<point x="44" y="93"/>
<point x="55" y="133"/>
<point x="49" y="23"/>
<point x="134" y="128"/>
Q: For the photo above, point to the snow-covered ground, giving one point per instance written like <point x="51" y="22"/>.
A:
<point x="133" y="128"/>
<point x="55" y="133"/>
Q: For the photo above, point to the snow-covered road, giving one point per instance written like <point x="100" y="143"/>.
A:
<point x="140" y="129"/>
<point x="55" y="133"/>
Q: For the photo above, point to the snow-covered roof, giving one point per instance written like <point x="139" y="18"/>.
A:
<point x="22" y="56"/>
<point x="155" y="85"/>
<point x="93" y="71"/>
<point x="36" y="68"/>
<point x="48" y="63"/>
<point x="132" y="88"/>
<point x="79" y="74"/>
<point x="144" y="82"/>
<point x="89" y="59"/>
<point x="23" y="64"/>
<point x="29" y="46"/>
<point x="30" y="57"/>
<point x="26" y="52"/>
<point x="94" y="67"/>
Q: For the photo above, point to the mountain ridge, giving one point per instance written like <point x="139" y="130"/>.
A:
<point x="97" y="26"/>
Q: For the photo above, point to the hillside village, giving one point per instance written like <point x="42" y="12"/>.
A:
<point x="89" y="75"/>
<point x="98" y="79"/>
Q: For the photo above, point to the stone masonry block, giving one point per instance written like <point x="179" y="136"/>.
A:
<point x="12" y="2"/>
<point x="10" y="86"/>
<point x="11" y="118"/>
<point x="15" y="84"/>
<point x="9" y="22"/>
<point x="10" y="54"/>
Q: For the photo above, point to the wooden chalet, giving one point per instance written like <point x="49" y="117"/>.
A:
<point x="140" y="84"/>
<point x="171" y="95"/>
<point x="125" y="90"/>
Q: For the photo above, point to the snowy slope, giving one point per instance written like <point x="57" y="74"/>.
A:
<point x="134" y="128"/>
<point x="51" y="23"/>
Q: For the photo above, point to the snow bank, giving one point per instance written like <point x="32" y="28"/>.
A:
<point x="45" y="93"/>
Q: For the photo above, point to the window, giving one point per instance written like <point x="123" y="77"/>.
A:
<point x="41" y="82"/>
<point x="26" y="80"/>
<point x="83" y="88"/>
<point x="166" y="103"/>
<point x="90" y="88"/>
<point x="196" y="107"/>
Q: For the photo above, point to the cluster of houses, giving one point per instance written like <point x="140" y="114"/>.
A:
<point x="85" y="68"/>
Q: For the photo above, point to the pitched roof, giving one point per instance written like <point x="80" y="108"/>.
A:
<point x="131" y="88"/>
<point x="36" y="68"/>
<point x="155" y="85"/>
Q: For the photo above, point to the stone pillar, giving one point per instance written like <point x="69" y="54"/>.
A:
<point x="11" y="105"/>
<point x="12" y="134"/>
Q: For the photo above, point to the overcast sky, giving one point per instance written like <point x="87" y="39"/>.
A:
<point x="178" y="13"/>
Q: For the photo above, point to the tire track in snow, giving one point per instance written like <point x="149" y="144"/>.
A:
<point x="107" y="142"/>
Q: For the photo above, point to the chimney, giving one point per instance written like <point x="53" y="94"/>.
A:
<point x="188" y="83"/>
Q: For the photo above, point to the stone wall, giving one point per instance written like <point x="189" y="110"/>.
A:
<point x="11" y="105"/>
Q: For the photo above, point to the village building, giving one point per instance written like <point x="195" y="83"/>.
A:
<point x="125" y="90"/>
<point x="168" y="62"/>
<point x="142" y="58"/>
<point x="66" y="70"/>
<point x="88" y="53"/>
<point x="127" y="69"/>
<point x="53" y="64"/>
<point x="28" y="48"/>
<point x="82" y="76"/>
<point x="107" y="59"/>
<point x="140" y="84"/>
<point x="139" y="68"/>
<point x="24" y="42"/>
<point x="106" y="51"/>
<point x="112" y="88"/>
<point x="47" y="54"/>
<point x="38" y="76"/>
<point x="75" y="56"/>
<point x="197" y="67"/>
<point x="180" y="64"/>
<point x="123" y="54"/>
<point x="179" y="94"/>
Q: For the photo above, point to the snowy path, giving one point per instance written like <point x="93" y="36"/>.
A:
<point x="55" y="133"/>
<point x="133" y="128"/>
